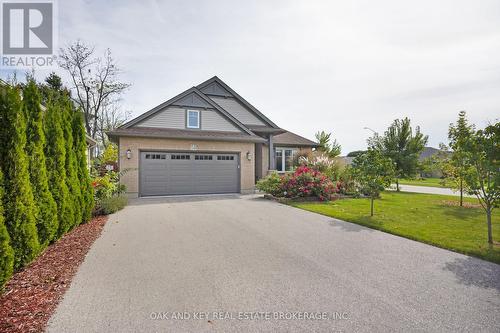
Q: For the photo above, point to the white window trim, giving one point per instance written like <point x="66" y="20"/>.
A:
<point x="294" y="151"/>
<point x="187" y="118"/>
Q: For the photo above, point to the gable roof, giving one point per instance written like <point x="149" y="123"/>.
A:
<point x="199" y="97"/>
<point x="222" y="91"/>
<point x="183" y="95"/>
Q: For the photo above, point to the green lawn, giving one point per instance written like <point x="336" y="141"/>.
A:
<point x="429" y="182"/>
<point x="422" y="217"/>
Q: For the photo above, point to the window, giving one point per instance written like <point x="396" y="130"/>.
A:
<point x="203" y="157"/>
<point x="180" y="157"/>
<point x="284" y="159"/>
<point x="225" y="158"/>
<point x="193" y="119"/>
<point x="156" y="156"/>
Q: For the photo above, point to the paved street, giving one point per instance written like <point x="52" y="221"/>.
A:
<point x="232" y="254"/>
<point x="430" y="190"/>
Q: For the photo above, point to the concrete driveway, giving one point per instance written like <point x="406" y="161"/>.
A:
<point x="249" y="260"/>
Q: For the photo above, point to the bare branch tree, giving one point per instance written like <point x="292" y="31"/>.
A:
<point x="94" y="82"/>
<point x="112" y="116"/>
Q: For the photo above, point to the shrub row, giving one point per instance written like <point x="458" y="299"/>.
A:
<point x="111" y="205"/>
<point x="45" y="185"/>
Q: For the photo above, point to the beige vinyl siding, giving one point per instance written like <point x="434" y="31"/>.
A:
<point x="175" y="117"/>
<point x="171" y="117"/>
<point x="237" y="110"/>
<point x="212" y="121"/>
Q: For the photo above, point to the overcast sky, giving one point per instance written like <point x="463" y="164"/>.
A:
<point x="308" y="65"/>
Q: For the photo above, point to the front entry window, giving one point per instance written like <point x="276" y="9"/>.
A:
<point x="284" y="159"/>
<point x="279" y="160"/>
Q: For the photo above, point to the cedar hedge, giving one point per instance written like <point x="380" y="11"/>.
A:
<point x="80" y="146"/>
<point x="45" y="186"/>
<point x="6" y="252"/>
<point x="71" y="164"/>
<point x="19" y="207"/>
<point x="55" y="151"/>
<point x="45" y="206"/>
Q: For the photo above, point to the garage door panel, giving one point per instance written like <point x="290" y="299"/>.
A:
<point x="188" y="173"/>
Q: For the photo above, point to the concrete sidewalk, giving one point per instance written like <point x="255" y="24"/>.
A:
<point x="233" y="254"/>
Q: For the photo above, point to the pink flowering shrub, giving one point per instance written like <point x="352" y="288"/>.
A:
<point x="304" y="182"/>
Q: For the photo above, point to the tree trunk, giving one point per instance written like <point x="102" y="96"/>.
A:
<point x="488" y="217"/>
<point x="371" y="206"/>
<point x="397" y="185"/>
<point x="461" y="193"/>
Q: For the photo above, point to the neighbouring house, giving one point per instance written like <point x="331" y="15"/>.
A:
<point x="430" y="157"/>
<point x="433" y="170"/>
<point x="344" y="160"/>
<point x="207" y="139"/>
<point x="91" y="149"/>
<point x="429" y="152"/>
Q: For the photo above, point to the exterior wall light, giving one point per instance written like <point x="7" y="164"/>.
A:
<point x="249" y="156"/>
<point x="128" y="154"/>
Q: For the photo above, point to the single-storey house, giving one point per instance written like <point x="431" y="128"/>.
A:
<point x="207" y="139"/>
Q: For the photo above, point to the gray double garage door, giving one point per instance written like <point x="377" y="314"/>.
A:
<point x="172" y="173"/>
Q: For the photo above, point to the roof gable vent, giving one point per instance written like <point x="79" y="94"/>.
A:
<point x="215" y="89"/>
<point x="192" y="100"/>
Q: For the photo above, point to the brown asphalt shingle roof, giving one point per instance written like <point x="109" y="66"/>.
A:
<point x="184" y="134"/>
<point x="292" y="139"/>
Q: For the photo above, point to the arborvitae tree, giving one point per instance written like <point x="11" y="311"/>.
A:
<point x="6" y="252"/>
<point x="18" y="199"/>
<point x="72" y="180"/>
<point x="46" y="208"/>
<point x="55" y="152"/>
<point x="80" y="146"/>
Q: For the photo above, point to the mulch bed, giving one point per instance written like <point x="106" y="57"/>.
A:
<point x="31" y="296"/>
<point x="456" y="203"/>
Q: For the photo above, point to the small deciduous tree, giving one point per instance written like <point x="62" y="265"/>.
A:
<point x="94" y="82"/>
<point x="18" y="198"/>
<point x="455" y="168"/>
<point x="326" y="145"/>
<point x="55" y="151"/>
<point x="373" y="172"/>
<point x="482" y="172"/>
<point x="110" y="154"/>
<point x="46" y="208"/>
<point x="6" y="252"/>
<point x="403" y="146"/>
<point x="112" y="116"/>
